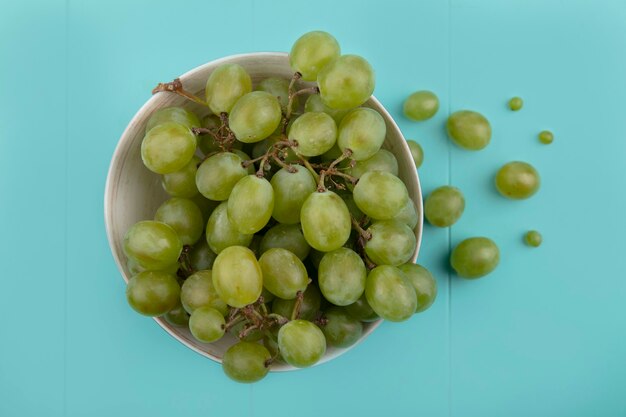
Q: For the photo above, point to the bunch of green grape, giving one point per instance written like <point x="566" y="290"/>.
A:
<point x="287" y="226"/>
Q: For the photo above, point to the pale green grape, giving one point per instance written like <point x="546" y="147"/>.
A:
<point x="390" y="293"/>
<point x="177" y="316"/>
<point x="408" y="215"/>
<point x="444" y="206"/>
<point x="201" y="256"/>
<point x="198" y="291"/>
<point x="475" y="257"/>
<point x="221" y="233"/>
<point x="207" y="324"/>
<point x="312" y="52"/>
<point x="533" y="238"/>
<point x="416" y="152"/>
<point x="380" y="195"/>
<point x="363" y="131"/>
<point x="250" y="204"/>
<point x="309" y="307"/>
<point x="341" y="276"/>
<point x="469" y="129"/>
<point x="421" y="105"/>
<point x="301" y="343"/>
<point x="134" y="268"/>
<point x="383" y="160"/>
<point x="218" y="174"/>
<point x="226" y="84"/>
<point x="286" y="236"/>
<point x="279" y="88"/>
<point x="167" y="148"/>
<point x="392" y="243"/>
<point x="546" y="137"/>
<point x="237" y="276"/>
<point x="517" y="180"/>
<point x="516" y="103"/>
<point x="291" y="189"/>
<point x="153" y="245"/>
<point x="315" y="132"/>
<point x="246" y="362"/>
<point x="255" y="116"/>
<point x="172" y="114"/>
<point x="283" y="273"/>
<point x="153" y="293"/>
<point x="346" y="82"/>
<point x="182" y="183"/>
<point x="424" y="284"/>
<point x="361" y="310"/>
<point x="245" y="157"/>
<point x="314" y="104"/>
<point x="325" y="221"/>
<point x="341" y="329"/>
<point x="184" y="217"/>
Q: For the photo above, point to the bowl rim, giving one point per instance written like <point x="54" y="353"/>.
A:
<point x="117" y="160"/>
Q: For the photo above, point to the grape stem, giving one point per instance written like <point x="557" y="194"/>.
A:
<point x="247" y="330"/>
<point x="332" y="170"/>
<point x="185" y="267"/>
<point x="176" y="87"/>
<point x="362" y="232"/>
<point x="296" y="307"/>
<point x="320" y="320"/>
<point x="278" y="319"/>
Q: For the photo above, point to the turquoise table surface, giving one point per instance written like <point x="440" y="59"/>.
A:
<point x="544" y="335"/>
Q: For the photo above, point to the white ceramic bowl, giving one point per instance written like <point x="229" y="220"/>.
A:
<point x="133" y="193"/>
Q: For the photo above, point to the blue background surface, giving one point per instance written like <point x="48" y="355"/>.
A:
<point x="544" y="335"/>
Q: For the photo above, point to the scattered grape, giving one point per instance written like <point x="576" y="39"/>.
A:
<point x="218" y="174"/>
<point x="517" y="180"/>
<point x="546" y="137"/>
<point x="172" y="114"/>
<point x="444" y="206"/>
<point x="314" y="104"/>
<point x="392" y="243"/>
<point x="286" y="236"/>
<point x="182" y="183"/>
<point x="533" y="238"/>
<point x="475" y="257"/>
<point x="250" y="204"/>
<point x="408" y="215"/>
<point x="470" y="130"/>
<point x="516" y="103"/>
<point x="279" y="88"/>
<point x="198" y="291"/>
<point x="221" y="233"/>
<point x="421" y="105"/>
<point x="290" y="192"/>
<point x="416" y="152"/>
<point x="361" y="310"/>
<point x="177" y="316"/>
<point x="246" y="362"/>
<point x="383" y="160"/>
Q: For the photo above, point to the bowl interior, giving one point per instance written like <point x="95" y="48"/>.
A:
<point x="133" y="193"/>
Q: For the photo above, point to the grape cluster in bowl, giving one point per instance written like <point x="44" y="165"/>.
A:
<point x="287" y="223"/>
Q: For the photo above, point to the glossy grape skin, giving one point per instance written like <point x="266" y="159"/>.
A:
<point x="134" y="268"/>
<point x="517" y="180"/>
<point x="290" y="192"/>
<point x="246" y="362"/>
<point x="172" y="114"/>
<point x="408" y="215"/>
<point x="424" y="284"/>
<point x="218" y="174"/>
<point x="167" y="148"/>
<point x="346" y="82"/>
<point x="390" y="293"/>
<point x="184" y="217"/>
<point x="315" y="133"/>
<point x="201" y="256"/>
<point x="417" y="153"/>
<point x="226" y="84"/>
<point x="469" y="130"/>
<point x="279" y="88"/>
<point x="153" y="245"/>
<point x="533" y="238"/>
<point x="516" y="103"/>
<point x="286" y="236"/>
<point x="325" y="221"/>
<point x="475" y="257"/>
<point x="153" y="293"/>
<point x="221" y="233"/>
<point x="250" y="204"/>
<point x="198" y="291"/>
<point x="421" y="105"/>
<point x="383" y="160"/>
<point x="341" y="330"/>
<point x="380" y="195"/>
<point x="361" y="310"/>
<point x="237" y="276"/>
<point x="314" y="104"/>
<point x="177" y="316"/>
<point x="341" y="276"/>
<point x="207" y="324"/>
<point x="363" y="131"/>
<point x="312" y="52"/>
<point x="255" y="116"/>
<point x="182" y="183"/>
<point x="392" y="243"/>
<point x="309" y="307"/>
<point x="546" y="137"/>
<point x="444" y="206"/>
<point x="283" y="273"/>
<point x="301" y="343"/>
